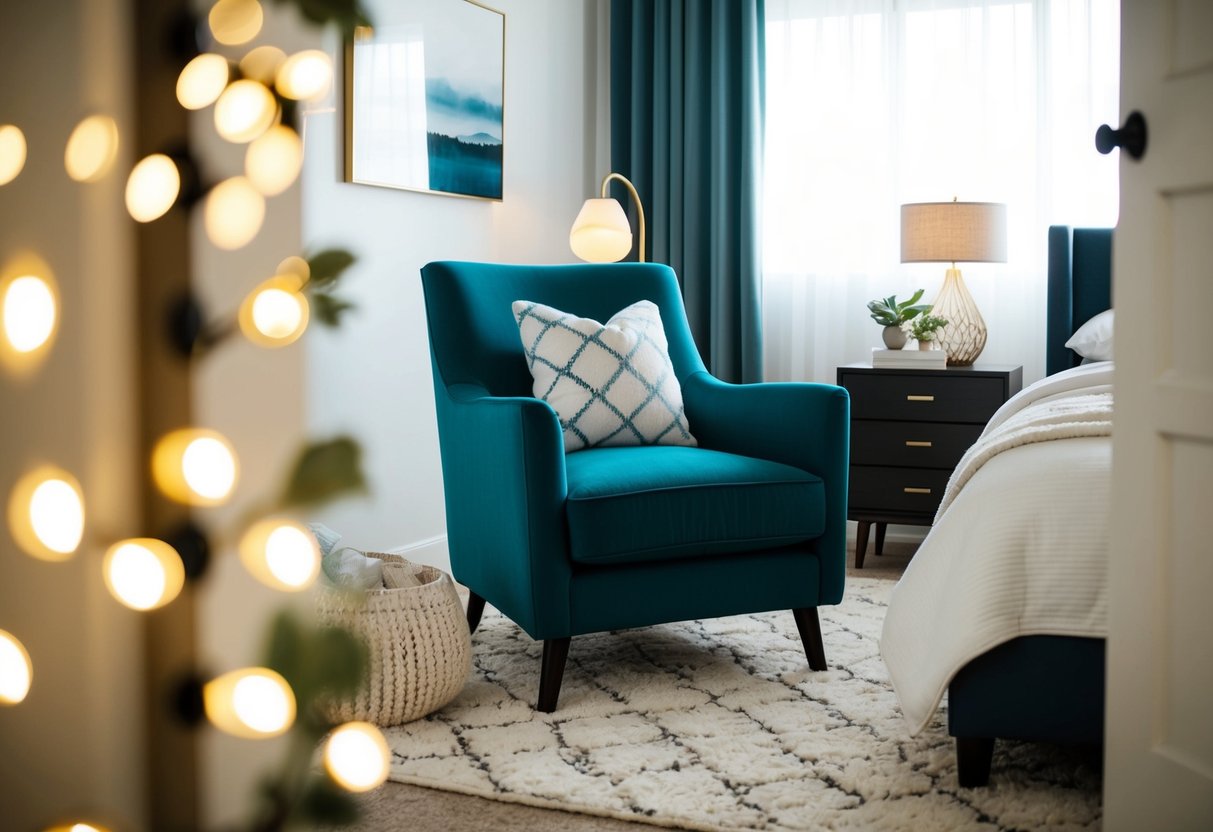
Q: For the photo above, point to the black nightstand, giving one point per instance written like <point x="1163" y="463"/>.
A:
<point x="909" y="428"/>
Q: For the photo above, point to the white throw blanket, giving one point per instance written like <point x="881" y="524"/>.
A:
<point x="1019" y="544"/>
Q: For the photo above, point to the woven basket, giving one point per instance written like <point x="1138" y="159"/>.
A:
<point x="417" y="637"/>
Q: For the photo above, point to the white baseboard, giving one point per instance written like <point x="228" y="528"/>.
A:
<point x="431" y="551"/>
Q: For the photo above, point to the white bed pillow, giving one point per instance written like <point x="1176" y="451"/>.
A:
<point x="610" y="384"/>
<point x="1093" y="340"/>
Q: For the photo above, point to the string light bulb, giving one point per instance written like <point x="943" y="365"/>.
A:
<point x="234" y="213"/>
<point x="16" y="670"/>
<point x="234" y="22"/>
<point x="46" y="513"/>
<point x="306" y="75"/>
<point x="91" y="149"/>
<point x="261" y="64"/>
<point x="253" y="702"/>
<point x="281" y="553"/>
<point x="357" y="756"/>
<point x="275" y="313"/>
<point x="244" y="111"/>
<point x="77" y="826"/>
<point x="152" y="187"/>
<point x="195" y="466"/>
<point x="143" y="573"/>
<point x="202" y="81"/>
<point x="295" y="265"/>
<point x="273" y="160"/>
<point x="30" y="312"/>
<point x="12" y="152"/>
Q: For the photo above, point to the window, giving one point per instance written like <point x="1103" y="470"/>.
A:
<point x="874" y="103"/>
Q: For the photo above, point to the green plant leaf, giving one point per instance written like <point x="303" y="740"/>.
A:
<point x="323" y="471"/>
<point x="329" y="308"/>
<point x="343" y="658"/>
<point x="285" y="651"/>
<point x="913" y="300"/>
<point x="324" y="803"/>
<point x="326" y="266"/>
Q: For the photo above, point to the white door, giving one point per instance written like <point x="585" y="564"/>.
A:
<point x="1159" y="755"/>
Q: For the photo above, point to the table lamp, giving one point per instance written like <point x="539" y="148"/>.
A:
<point x="955" y="232"/>
<point x="601" y="233"/>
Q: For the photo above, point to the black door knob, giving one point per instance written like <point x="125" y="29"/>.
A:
<point x="1132" y="136"/>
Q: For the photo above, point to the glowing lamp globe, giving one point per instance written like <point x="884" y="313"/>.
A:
<point x="16" y="670"/>
<point x="143" y="573"/>
<point x="12" y="152"/>
<point x="152" y="187"/>
<point x="281" y="553"/>
<point x="601" y="233"/>
<point x="91" y="149"/>
<point x="357" y="756"/>
<point x="253" y="702"/>
<point x="202" y="81"/>
<point x="195" y="466"/>
<point x="46" y="514"/>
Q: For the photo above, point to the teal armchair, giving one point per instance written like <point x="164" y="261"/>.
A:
<point x="753" y="519"/>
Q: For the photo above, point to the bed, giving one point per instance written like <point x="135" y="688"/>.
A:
<point x="1004" y="604"/>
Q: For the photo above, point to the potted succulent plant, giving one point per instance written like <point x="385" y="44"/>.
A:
<point x="893" y="316"/>
<point x="925" y="329"/>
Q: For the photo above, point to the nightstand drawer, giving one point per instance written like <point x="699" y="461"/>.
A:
<point x="914" y="490"/>
<point x="898" y="396"/>
<point x="910" y="444"/>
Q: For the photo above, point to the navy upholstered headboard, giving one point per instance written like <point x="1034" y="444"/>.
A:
<point x="1080" y="286"/>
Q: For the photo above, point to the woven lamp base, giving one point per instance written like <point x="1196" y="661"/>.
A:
<point x="965" y="335"/>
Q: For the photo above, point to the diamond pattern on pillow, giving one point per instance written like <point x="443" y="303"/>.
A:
<point x="610" y="384"/>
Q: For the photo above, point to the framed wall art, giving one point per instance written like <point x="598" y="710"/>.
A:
<point x="424" y="94"/>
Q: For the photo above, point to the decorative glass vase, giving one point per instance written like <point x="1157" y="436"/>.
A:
<point x="964" y="337"/>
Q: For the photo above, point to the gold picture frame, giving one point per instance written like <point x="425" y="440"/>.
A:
<point x="424" y="99"/>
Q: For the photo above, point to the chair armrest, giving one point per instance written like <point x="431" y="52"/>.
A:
<point x="504" y="481"/>
<point x="804" y="425"/>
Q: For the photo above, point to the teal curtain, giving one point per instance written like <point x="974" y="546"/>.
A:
<point x="686" y="128"/>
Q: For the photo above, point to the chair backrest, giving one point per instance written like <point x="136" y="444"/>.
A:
<point x="474" y="338"/>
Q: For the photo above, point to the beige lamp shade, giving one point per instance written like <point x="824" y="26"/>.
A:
<point x="601" y="233"/>
<point x="954" y="232"/>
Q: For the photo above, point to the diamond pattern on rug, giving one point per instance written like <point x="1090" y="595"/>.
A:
<point x="720" y="725"/>
<point x="610" y="384"/>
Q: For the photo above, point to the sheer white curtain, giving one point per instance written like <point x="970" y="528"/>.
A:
<point x="874" y="103"/>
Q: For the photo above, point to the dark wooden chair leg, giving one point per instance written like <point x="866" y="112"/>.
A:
<point x="475" y="610"/>
<point x="861" y="542"/>
<point x="555" y="651"/>
<point x="880" y="529"/>
<point x="810" y="635"/>
<point x="973" y="757"/>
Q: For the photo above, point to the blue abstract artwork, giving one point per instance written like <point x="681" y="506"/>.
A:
<point x="425" y="99"/>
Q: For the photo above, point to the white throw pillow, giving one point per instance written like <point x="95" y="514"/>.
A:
<point x="1093" y="340"/>
<point x="610" y="384"/>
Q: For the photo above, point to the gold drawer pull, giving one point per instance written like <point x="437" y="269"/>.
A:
<point x="910" y="490"/>
<point x="915" y="443"/>
<point x="920" y="398"/>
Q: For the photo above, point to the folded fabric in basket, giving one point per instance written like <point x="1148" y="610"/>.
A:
<point x="345" y="566"/>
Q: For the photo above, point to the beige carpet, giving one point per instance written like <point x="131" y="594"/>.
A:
<point x="914" y="785"/>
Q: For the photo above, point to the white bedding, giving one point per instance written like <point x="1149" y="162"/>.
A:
<point x="1019" y="545"/>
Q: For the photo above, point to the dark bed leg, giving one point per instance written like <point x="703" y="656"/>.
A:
<point x="973" y="756"/>
<point x="880" y="530"/>
<point x="475" y="610"/>
<point x="555" y="651"/>
<point x="861" y="541"/>
<point x="810" y="635"/>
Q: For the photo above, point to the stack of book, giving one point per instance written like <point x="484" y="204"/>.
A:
<point x="910" y="359"/>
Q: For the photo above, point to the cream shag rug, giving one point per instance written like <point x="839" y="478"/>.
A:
<point x="720" y="724"/>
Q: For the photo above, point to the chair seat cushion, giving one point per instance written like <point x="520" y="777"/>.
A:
<point x="628" y="505"/>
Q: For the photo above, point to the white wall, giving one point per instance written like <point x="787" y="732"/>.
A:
<point x="372" y="377"/>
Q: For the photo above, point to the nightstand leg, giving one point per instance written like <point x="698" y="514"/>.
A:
<point x="880" y="527"/>
<point x="861" y="541"/>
